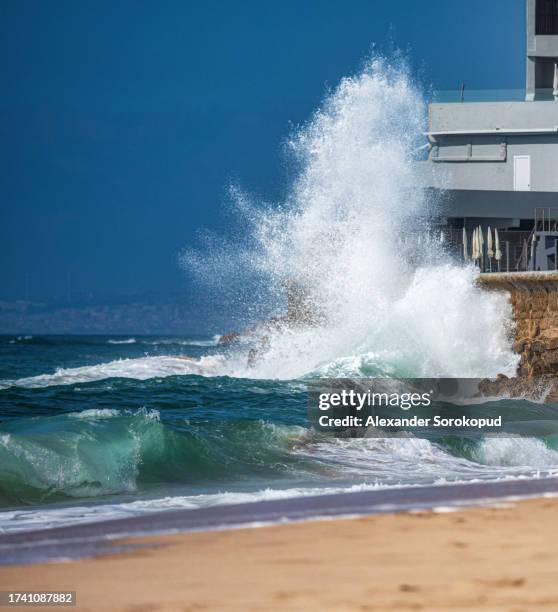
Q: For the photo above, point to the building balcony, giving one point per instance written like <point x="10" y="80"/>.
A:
<point x="489" y="95"/>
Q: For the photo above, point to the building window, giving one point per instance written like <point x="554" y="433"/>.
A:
<point x="547" y="17"/>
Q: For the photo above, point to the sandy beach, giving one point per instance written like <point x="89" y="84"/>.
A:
<point x="482" y="558"/>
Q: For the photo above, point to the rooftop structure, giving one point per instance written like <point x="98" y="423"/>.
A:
<point x="542" y="48"/>
<point x="496" y="160"/>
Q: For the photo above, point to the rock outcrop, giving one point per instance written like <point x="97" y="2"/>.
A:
<point x="534" y="299"/>
<point x="540" y="389"/>
<point x="301" y="312"/>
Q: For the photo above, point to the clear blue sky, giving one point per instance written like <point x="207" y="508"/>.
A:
<point x="122" y="123"/>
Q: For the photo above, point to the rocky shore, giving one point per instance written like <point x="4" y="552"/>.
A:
<point x="300" y="312"/>
<point x="534" y="300"/>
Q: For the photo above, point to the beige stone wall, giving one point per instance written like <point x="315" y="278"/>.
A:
<point x="534" y="299"/>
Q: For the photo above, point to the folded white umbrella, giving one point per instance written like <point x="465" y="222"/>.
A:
<point x="478" y="245"/>
<point x="498" y="254"/>
<point x="475" y="254"/>
<point x="489" y="250"/>
<point x="465" y="249"/>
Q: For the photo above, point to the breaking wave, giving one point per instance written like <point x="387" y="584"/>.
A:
<point x="115" y="452"/>
<point x="142" y="368"/>
<point x="107" y="451"/>
<point x="356" y="236"/>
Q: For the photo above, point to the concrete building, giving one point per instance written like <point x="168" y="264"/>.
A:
<point x="496" y="161"/>
<point x="542" y="49"/>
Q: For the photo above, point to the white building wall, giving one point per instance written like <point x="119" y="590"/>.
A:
<point x="466" y="145"/>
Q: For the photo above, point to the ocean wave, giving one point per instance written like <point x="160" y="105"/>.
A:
<point x="515" y="452"/>
<point x="103" y="451"/>
<point x="384" y="296"/>
<point x="103" y="413"/>
<point x="75" y="457"/>
<point x="21" y="339"/>
<point x="31" y="340"/>
<point x="362" y="246"/>
<point x="142" y="368"/>
<point x="44" y="518"/>
<point x="214" y="341"/>
<point x="402" y="459"/>
<point x="21" y="520"/>
<point x="106" y="451"/>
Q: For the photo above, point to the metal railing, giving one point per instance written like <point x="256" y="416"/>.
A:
<point x="515" y="247"/>
<point x="521" y="250"/>
<point x="487" y="95"/>
<point x="546" y="21"/>
<point x="546" y="219"/>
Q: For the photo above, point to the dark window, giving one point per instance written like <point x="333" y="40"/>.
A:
<point x="547" y="17"/>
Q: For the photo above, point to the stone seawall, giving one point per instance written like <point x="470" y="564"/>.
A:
<point x="534" y="299"/>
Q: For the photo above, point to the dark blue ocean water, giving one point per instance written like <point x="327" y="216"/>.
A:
<point x="100" y="427"/>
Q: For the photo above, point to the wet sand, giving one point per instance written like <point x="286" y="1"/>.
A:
<point x="481" y="558"/>
<point x="91" y="539"/>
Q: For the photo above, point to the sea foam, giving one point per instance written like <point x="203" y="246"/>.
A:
<point x="356" y="234"/>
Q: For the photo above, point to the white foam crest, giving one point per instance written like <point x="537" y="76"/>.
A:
<point x="127" y="341"/>
<point x="143" y="368"/>
<point x="21" y="339"/>
<point x="516" y="452"/>
<point x="214" y="341"/>
<point x="354" y="233"/>
<point x="200" y="343"/>
<point x="13" y="521"/>
<point x="96" y="413"/>
<point x="109" y="413"/>
<point x="404" y="460"/>
<point x="42" y="518"/>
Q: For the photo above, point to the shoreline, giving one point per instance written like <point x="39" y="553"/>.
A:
<point x="475" y="558"/>
<point x="97" y="538"/>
